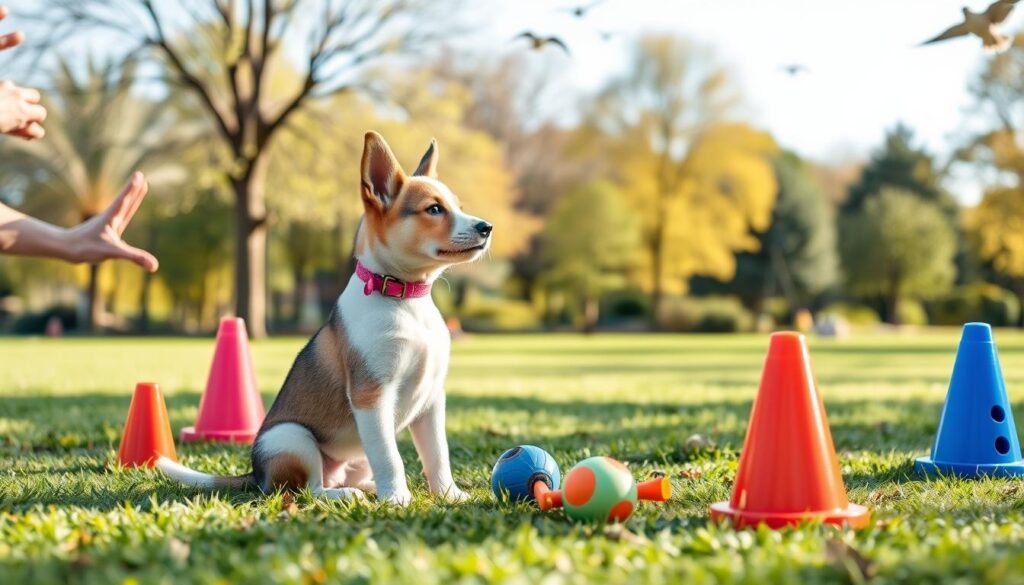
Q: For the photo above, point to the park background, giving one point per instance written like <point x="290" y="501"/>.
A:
<point x="732" y="167"/>
<point x="678" y="169"/>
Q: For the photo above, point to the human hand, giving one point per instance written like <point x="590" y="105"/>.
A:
<point x="9" y="40"/>
<point x="20" y="112"/>
<point x="99" y="238"/>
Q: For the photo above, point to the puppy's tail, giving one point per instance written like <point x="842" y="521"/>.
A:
<point x="193" y="478"/>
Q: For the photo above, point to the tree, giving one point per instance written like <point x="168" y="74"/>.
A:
<point x="698" y="184"/>
<point x="512" y="99"/>
<point x="591" y="240"/>
<point x="999" y="95"/>
<point x="898" y="246"/>
<point x="900" y="164"/>
<point x="226" y="57"/>
<point x="998" y="150"/>
<point x="194" y="250"/>
<point x="797" y="255"/>
<point x="312" y="189"/>
<point x="97" y="135"/>
<point x="997" y="229"/>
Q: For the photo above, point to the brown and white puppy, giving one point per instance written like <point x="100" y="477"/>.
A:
<point x="379" y="363"/>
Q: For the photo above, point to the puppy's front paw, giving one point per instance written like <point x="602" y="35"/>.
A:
<point x="400" y="498"/>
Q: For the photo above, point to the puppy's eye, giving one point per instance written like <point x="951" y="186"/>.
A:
<point x="435" y="209"/>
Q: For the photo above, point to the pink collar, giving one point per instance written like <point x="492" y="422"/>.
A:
<point x="389" y="286"/>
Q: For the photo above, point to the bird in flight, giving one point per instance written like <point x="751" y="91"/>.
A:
<point x="794" y="69"/>
<point x="982" y="25"/>
<point x="537" y="43"/>
<point x="581" y="10"/>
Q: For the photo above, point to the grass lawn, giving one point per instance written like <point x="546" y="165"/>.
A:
<point x="65" y="516"/>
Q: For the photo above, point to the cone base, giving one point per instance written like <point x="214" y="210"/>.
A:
<point x="191" y="435"/>
<point x="927" y="466"/>
<point x="854" y="516"/>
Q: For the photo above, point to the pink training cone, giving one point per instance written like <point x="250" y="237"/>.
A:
<point x="231" y="409"/>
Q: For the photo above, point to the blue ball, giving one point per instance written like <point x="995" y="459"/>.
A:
<point x="519" y="468"/>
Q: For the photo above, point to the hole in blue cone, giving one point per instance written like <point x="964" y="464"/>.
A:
<point x="1002" y="445"/>
<point x="998" y="414"/>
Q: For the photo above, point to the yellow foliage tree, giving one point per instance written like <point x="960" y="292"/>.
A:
<point x="699" y="182"/>
<point x="997" y="224"/>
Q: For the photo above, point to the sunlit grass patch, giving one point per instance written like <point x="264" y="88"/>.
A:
<point x="66" y="513"/>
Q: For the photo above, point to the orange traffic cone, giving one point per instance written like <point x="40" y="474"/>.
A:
<point x="231" y="409"/>
<point x="788" y="471"/>
<point x="147" y="431"/>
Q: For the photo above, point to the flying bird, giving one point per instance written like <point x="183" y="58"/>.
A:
<point x="537" y="43"/>
<point x="582" y="10"/>
<point x="982" y="25"/>
<point x="794" y="69"/>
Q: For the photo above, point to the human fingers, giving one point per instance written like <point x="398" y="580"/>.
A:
<point x="11" y="40"/>
<point x="31" y="132"/>
<point x="30" y="95"/>
<point x="136" y="255"/>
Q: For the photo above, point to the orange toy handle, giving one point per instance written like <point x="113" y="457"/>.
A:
<point x="546" y="498"/>
<point x="658" y="489"/>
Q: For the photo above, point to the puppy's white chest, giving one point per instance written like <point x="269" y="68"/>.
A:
<point x="404" y="344"/>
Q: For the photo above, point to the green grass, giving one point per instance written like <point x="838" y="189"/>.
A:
<point x="67" y="515"/>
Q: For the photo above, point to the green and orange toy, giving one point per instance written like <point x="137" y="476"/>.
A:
<point x="601" y="489"/>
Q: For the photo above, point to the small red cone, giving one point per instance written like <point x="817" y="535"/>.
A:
<point x="147" y="431"/>
<point x="231" y="409"/>
<point x="788" y="471"/>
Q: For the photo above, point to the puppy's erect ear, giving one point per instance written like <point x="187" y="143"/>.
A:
<point x="428" y="164"/>
<point x="382" y="176"/>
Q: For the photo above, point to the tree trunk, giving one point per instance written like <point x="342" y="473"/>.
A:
<point x="591" y="313"/>
<point x="94" y="312"/>
<point x="344" y="264"/>
<point x="657" y="292"/>
<point x="894" y="303"/>
<point x="147" y="285"/>
<point x="299" y="294"/>
<point x="460" y="296"/>
<point x="251" y="247"/>
<point x="1019" y="289"/>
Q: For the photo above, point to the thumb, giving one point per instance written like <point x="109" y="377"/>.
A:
<point x="137" y="255"/>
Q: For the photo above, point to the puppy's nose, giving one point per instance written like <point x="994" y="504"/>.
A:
<point x="483" y="228"/>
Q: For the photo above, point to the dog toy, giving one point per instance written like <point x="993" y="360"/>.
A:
<point x="522" y="470"/>
<point x="602" y="489"/>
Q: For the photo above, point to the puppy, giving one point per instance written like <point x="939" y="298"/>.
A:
<point x="379" y="363"/>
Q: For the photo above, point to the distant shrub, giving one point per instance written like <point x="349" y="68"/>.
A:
<point x="705" y="315"/>
<point x="35" y="323"/>
<point x="854" y="313"/>
<point x="494" y="315"/>
<point x="444" y="298"/>
<point x="983" y="301"/>
<point x="779" y="310"/>
<point x="912" y="313"/>
<point x="625" y="305"/>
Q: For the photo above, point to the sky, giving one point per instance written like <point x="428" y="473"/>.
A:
<point x="865" y="72"/>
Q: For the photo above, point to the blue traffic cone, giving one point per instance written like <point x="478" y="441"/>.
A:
<point x="977" y="436"/>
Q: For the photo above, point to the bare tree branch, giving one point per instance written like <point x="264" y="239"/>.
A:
<point x="223" y="124"/>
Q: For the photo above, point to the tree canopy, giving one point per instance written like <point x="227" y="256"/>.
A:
<point x="898" y="246"/>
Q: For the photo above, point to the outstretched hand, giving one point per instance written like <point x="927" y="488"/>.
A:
<point x="11" y="39"/>
<point x="99" y="238"/>
<point x="20" y="111"/>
